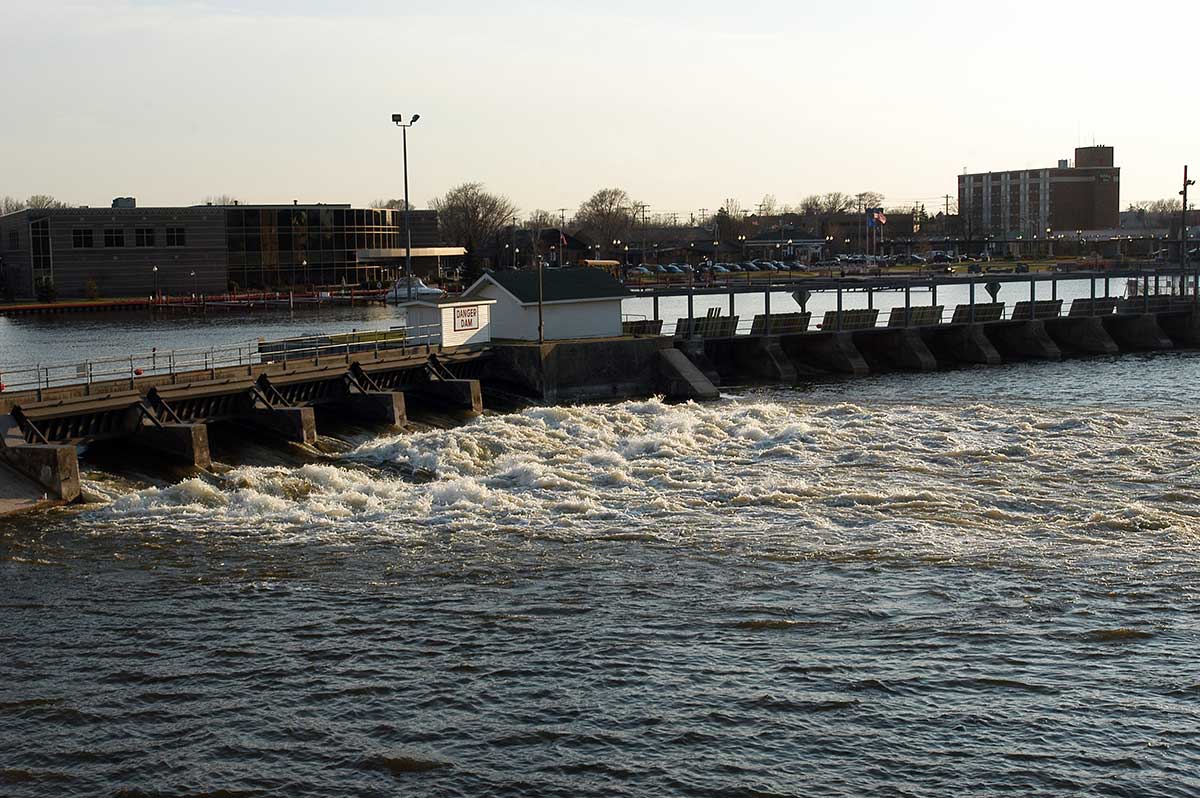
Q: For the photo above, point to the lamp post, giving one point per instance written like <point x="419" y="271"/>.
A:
<point x="1183" y="225"/>
<point x="155" y="270"/>
<point x="195" y="293"/>
<point x="400" y="123"/>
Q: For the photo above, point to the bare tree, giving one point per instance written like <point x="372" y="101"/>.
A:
<point x="11" y="205"/>
<point x="607" y="215"/>
<point x="542" y="220"/>
<point x="769" y="206"/>
<point x="39" y="201"/>
<point x="812" y="204"/>
<point x="868" y="199"/>
<point x="394" y="204"/>
<point x="220" y="199"/>
<point x="469" y="215"/>
<point x="836" y="202"/>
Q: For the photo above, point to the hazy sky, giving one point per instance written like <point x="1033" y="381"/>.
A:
<point x="682" y="104"/>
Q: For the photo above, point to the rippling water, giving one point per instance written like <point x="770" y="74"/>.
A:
<point x="970" y="582"/>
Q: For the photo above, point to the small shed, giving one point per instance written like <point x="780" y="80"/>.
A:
<point x="576" y="303"/>
<point x="449" y="322"/>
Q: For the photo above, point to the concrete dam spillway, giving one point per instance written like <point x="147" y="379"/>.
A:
<point x="371" y="378"/>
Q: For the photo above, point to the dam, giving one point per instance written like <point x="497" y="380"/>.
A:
<point x="162" y="401"/>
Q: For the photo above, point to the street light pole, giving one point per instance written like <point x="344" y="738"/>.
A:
<point x="400" y="123"/>
<point x="1183" y="226"/>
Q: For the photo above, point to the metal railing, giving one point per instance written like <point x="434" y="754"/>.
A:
<point x="922" y="315"/>
<point x="314" y="348"/>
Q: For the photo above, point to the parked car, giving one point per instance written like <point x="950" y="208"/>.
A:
<point x="641" y="270"/>
<point x="719" y="269"/>
<point x="1022" y="268"/>
<point x="673" y="269"/>
<point x="660" y="269"/>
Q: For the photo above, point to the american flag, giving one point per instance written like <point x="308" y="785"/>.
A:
<point x="879" y="216"/>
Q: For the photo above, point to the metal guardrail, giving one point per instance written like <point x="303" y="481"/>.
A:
<point x="1123" y="306"/>
<point x="171" y="362"/>
<point x="826" y="280"/>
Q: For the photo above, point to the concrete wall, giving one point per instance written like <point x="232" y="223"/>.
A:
<point x="577" y="371"/>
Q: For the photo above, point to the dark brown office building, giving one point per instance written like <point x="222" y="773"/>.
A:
<point x="130" y="251"/>
<point x="1083" y="196"/>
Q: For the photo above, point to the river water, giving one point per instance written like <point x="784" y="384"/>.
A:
<point x="980" y="581"/>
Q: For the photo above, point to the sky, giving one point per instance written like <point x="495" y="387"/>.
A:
<point x="681" y="104"/>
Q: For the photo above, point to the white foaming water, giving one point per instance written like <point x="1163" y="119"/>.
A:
<point x="837" y="480"/>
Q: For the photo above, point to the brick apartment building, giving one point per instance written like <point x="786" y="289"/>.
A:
<point x="1028" y="202"/>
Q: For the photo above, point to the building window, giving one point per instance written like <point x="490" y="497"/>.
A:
<point x="175" y="237"/>
<point x="114" y="237"/>
<point x="81" y="239"/>
<point x="14" y="239"/>
<point x="144" y="236"/>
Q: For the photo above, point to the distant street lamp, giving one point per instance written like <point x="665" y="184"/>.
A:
<point x="195" y="293"/>
<point x="399" y="120"/>
<point x="155" y="270"/>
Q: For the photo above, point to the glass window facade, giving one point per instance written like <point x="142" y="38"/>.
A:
<point x="176" y="237"/>
<point x="114" y="237"/>
<point x="144" y="236"/>
<point x="81" y="238"/>
<point x="277" y="247"/>
<point x="39" y="246"/>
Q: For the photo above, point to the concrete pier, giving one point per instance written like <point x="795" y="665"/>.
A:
<point x="894" y="348"/>
<point x="960" y="344"/>
<point x="680" y="379"/>
<point x="183" y="443"/>
<point x="295" y="424"/>
<point x="374" y="407"/>
<point x="54" y="467"/>
<point x="20" y="494"/>
<point x="1023" y="340"/>
<point x="748" y="358"/>
<point x="452" y="394"/>
<point x="1181" y="326"/>
<point x="1137" y="332"/>
<point x="697" y="353"/>
<point x="829" y="351"/>
<point x="1081" y="335"/>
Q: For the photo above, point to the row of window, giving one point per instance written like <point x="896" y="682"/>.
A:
<point x="311" y="217"/>
<point x="83" y="238"/>
<point x="288" y="241"/>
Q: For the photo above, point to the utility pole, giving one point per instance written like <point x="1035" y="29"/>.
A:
<point x="562" y="236"/>
<point x="643" y="206"/>
<point x="1183" y="226"/>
